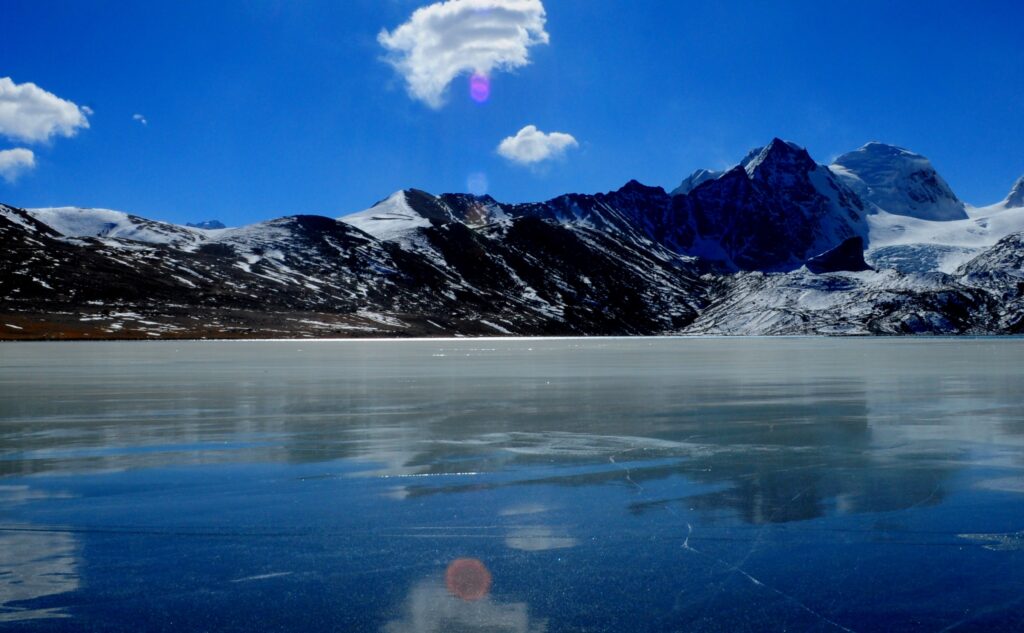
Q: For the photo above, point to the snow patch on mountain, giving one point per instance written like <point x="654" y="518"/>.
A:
<point x="842" y="303"/>
<point x="76" y="222"/>
<point x="913" y="244"/>
<point x="18" y="217"/>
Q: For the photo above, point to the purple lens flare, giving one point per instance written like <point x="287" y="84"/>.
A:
<point x="479" y="87"/>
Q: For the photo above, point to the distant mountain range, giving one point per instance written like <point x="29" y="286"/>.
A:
<point x="875" y="243"/>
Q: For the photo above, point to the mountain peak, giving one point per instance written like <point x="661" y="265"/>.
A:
<point x="778" y="155"/>
<point x="391" y="218"/>
<point x="635" y="186"/>
<point x="877" y="148"/>
<point x="899" y="181"/>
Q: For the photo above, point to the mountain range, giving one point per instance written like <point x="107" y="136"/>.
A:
<point x="874" y="243"/>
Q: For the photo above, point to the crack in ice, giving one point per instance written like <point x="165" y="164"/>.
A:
<point x="758" y="582"/>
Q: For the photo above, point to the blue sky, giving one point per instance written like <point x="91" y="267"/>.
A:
<point x="260" y="109"/>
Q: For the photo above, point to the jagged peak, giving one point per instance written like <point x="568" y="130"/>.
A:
<point x="778" y="153"/>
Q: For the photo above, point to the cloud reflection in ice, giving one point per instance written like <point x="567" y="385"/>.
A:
<point x="537" y="539"/>
<point x="35" y="565"/>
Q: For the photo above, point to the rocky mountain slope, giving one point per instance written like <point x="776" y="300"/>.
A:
<point x="876" y="243"/>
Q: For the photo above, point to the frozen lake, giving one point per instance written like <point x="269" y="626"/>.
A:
<point x="513" y="485"/>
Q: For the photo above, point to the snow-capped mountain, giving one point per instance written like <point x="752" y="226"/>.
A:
<point x="915" y="223"/>
<point x="394" y="217"/>
<point x="898" y="181"/>
<point x="778" y="244"/>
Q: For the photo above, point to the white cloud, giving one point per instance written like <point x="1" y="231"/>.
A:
<point x="530" y="145"/>
<point x="141" y="119"/>
<point x="29" y="113"/>
<point x="441" y="41"/>
<point x="15" y="162"/>
<point x="87" y="110"/>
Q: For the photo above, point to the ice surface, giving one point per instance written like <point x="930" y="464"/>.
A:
<point x="607" y="484"/>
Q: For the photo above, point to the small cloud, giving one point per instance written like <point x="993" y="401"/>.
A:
<point x="530" y="145"/>
<point x="86" y="110"/>
<point x="15" y="162"/>
<point x="443" y="40"/>
<point x="30" y="114"/>
<point x="141" y="119"/>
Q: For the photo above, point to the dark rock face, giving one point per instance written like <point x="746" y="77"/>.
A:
<point x="773" y="212"/>
<point x="848" y="256"/>
<point x="770" y="213"/>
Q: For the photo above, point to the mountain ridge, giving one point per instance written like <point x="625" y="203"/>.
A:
<point x="774" y="245"/>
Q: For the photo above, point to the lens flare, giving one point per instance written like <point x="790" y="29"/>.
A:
<point x="477" y="184"/>
<point x="468" y="579"/>
<point x="479" y="87"/>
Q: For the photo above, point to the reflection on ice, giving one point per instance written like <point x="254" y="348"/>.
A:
<point x="524" y="508"/>
<point x="534" y="538"/>
<point x="998" y="542"/>
<point x="431" y="608"/>
<point x="872" y="483"/>
<point x="35" y="565"/>
<point x="1004" y="484"/>
<point x="537" y="539"/>
<point x="784" y="430"/>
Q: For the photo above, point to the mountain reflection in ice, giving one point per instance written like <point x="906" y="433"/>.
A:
<point x="764" y="422"/>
